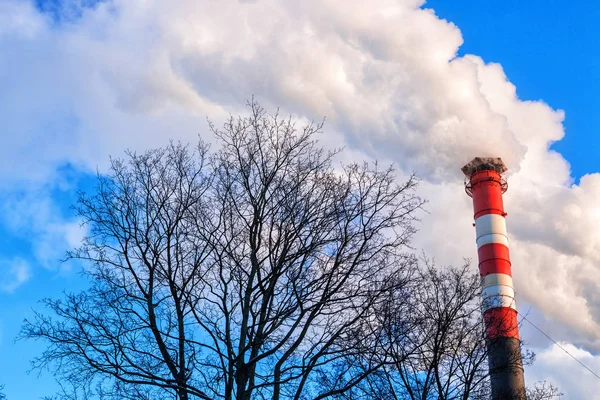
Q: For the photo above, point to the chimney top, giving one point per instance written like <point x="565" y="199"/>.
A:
<point x="484" y="164"/>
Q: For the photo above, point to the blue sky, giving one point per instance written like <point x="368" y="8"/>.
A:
<point x="86" y="80"/>
<point x="49" y="277"/>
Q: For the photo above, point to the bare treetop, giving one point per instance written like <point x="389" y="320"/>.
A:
<point x="483" y="164"/>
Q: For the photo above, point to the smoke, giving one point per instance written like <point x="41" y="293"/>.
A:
<point x="132" y="74"/>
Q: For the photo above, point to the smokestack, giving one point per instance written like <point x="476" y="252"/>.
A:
<point x="485" y="184"/>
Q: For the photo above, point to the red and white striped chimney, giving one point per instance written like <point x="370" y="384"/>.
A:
<point x="485" y="184"/>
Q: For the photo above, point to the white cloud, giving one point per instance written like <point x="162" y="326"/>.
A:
<point x="32" y="215"/>
<point x="13" y="273"/>
<point x="385" y="73"/>
<point x="19" y="19"/>
<point x="554" y="365"/>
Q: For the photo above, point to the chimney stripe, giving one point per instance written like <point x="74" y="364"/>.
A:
<point x="496" y="279"/>
<point x="498" y="296"/>
<point x="490" y="223"/>
<point x="492" y="238"/>
<point x="501" y="322"/>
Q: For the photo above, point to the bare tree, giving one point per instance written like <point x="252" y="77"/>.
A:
<point x="449" y="356"/>
<point x="252" y="272"/>
<point x="434" y="345"/>
<point x="432" y="338"/>
<point x="543" y="391"/>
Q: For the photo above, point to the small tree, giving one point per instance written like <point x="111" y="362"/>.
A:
<point x="432" y="338"/>
<point x="251" y="272"/>
<point x="446" y="355"/>
<point x="543" y="391"/>
<point x="434" y="344"/>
